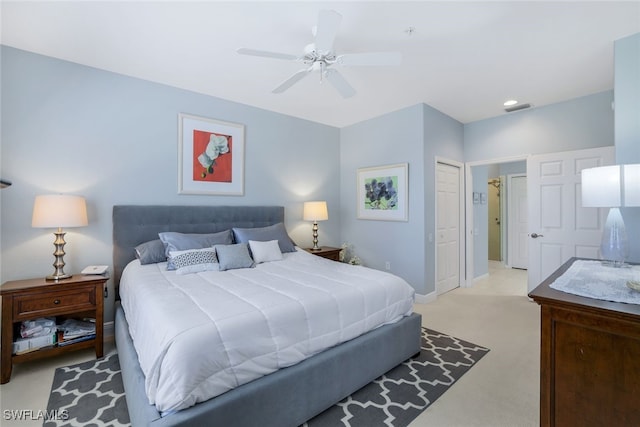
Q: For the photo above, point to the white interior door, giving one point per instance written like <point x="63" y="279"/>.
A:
<point x="518" y="245"/>
<point x="448" y="227"/>
<point x="559" y="226"/>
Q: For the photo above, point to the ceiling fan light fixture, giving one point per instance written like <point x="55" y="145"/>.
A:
<point x="319" y="56"/>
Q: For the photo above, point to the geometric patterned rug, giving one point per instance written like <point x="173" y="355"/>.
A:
<point x="88" y="394"/>
<point x="399" y="396"/>
<point x="91" y="393"/>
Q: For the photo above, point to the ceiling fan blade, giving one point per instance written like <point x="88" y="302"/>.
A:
<point x="266" y="54"/>
<point x="299" y="75"/>
<point x="328" y="24"/>
<point x="370" y="59"/>
<point x="341" y="85"/>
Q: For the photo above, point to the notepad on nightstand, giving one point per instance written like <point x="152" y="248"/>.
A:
<point x="95" y="269"/>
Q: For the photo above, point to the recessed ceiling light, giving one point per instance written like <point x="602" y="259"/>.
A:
<point x="510" y="102"/>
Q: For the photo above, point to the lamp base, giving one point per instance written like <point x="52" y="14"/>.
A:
<point x="614" y="246"/>
<point x="59" y="254"/>
<point x="58" y="277"/>
<point x="315" y="237"/>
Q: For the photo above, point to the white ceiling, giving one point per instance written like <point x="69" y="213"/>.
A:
<point x="464" y="58"/>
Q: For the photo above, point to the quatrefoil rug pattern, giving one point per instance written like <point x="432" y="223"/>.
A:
<point x="398" y="397"/>
<point x="91" y="393"/>
<point x="88" y="394"/>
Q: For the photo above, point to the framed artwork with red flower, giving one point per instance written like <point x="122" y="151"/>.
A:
<point x="211" y="156"/>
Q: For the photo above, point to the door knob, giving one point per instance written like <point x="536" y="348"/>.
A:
<point x="536" y="235"/>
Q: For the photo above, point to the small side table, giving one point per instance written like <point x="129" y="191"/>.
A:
<point x="327" y="252"/>
<point x="78" y="296"/>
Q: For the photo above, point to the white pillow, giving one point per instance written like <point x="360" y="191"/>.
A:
<point x="265" y="251"/>
<point x="194" y="260"/>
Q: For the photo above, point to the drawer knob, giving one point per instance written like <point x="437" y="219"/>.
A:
<point x="57" y="301"/>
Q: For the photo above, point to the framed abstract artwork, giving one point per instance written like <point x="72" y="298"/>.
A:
<point x="210" y="156"/>
<point x="383" y="193"/>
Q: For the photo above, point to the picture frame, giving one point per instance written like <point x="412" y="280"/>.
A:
<point x="383" y="192"/>
<point x="210" y="156"/>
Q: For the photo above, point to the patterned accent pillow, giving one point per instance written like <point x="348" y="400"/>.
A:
<point x="174" y="241"/>
<point x="194" y="260"/>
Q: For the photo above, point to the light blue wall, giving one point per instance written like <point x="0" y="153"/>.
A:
<point x="414" y="135"/>
<point x="443" y="139"/>
<point x="393" y="138"/>
<point x="627" y="123"/>
<point x="113" y="139"/>
<point x="480" y="223"/>
<point x="513" y="168"/>
<point x="580" y="123"/>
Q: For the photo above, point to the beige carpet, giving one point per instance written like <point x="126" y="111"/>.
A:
<point x="501" y="389"/>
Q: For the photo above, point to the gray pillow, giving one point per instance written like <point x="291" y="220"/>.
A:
<point x="180" y="242"/>
<point x="264" y="234"/>
<point x="233" y="256"/>
<point x="151" y="252"/>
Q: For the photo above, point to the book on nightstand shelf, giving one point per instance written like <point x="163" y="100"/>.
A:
<point x="27" y="345"/>
<point x="72" y="330"/>
<point x="63" y="342"/>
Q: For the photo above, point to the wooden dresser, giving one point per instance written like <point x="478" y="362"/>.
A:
<point x="590" y="359"/>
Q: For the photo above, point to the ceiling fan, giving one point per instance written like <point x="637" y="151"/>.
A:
<point x="320" y="56"/>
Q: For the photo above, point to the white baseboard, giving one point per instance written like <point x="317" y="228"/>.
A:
<point x="484" y="276"/>
<point x="426" y="299"/>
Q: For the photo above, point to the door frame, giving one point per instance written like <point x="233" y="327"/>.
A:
<point x="461" y="225"/>
<point x="469" y="207"/>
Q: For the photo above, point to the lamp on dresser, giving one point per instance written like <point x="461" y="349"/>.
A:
<point x="612" y="187"/>
<point x="58" y="211"/>
<point x="315" y="211"/>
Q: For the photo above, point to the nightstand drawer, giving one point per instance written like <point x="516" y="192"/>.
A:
<point x="49" y="304"/>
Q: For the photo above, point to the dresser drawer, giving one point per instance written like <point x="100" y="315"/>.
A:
<point x="50" y="304"/>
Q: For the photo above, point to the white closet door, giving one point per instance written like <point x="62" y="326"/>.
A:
<point x="448" y="180"/>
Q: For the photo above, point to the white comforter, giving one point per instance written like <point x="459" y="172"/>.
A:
<point x="200" y="335"/>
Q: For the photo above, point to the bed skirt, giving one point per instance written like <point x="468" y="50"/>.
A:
<point x="287" y="397"/>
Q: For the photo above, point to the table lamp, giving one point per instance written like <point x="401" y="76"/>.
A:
<point x="612" y="187"/>
<point x="57" y="211"/>
<point x="315" y="211"/>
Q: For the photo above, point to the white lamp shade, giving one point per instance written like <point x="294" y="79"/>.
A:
<point x="315" y="211"/>
<point x="632" y="185"/>
<point x="601" y="187"/>
<point x="57" y="210"/>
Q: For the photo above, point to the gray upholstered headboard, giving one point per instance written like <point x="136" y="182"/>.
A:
<point x="134" y="224"/>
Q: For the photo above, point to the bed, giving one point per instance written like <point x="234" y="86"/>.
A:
<point x="286" y="397"/>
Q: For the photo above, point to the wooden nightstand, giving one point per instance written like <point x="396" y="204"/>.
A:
<point x="78" y="296"/>
<point x="326" y="252"/>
